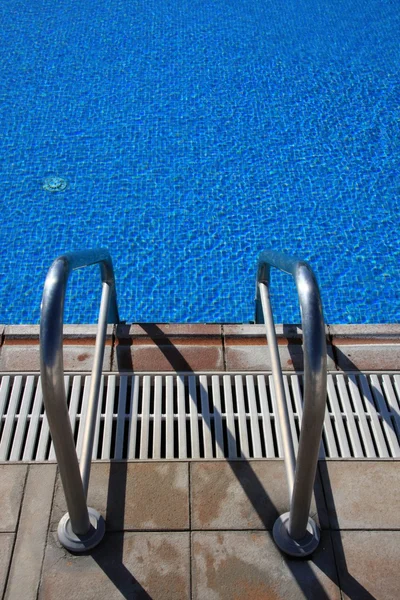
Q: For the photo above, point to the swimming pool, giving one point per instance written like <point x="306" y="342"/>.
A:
<point x="193" y="135"/>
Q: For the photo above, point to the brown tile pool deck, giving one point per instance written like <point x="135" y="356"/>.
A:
<point x="202" y="529"/>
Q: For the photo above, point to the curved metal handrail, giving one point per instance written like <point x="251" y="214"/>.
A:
<point x="82" y="527"/>
<point x="295" y="533"/>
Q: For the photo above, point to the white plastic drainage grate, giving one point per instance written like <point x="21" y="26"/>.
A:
<point x="191" y="416"/>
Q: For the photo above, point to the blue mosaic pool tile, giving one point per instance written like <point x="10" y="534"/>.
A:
<point x="193" y="135"/>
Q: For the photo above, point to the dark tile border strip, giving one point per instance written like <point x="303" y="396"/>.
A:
<point x="202" y="347"/>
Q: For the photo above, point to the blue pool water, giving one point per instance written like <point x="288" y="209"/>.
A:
<point x="193" y="135"/>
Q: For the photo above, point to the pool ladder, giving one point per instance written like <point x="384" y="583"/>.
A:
<point x="82" y="527"/>
<point x="295" y="532"/>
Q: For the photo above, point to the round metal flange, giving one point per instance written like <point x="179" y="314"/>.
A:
<point x="81" y="543"/>
<point x="290" y="546"/>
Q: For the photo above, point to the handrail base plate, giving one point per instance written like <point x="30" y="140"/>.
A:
<point x="291" y="547"/>
<point x="81" y="543"/>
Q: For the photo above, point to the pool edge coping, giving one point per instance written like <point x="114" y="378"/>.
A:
<point x="152" y="347"/>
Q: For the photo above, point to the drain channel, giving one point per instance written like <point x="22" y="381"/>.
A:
<point x="202" y="416"/>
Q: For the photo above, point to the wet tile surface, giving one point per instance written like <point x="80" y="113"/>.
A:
<point x="377" y="331"/>
<point x="246" y="348"/>
<point x="364" y="357"/>
<point x="138" y="566"/>
<point x="233" y="507"/>
<point x="21" y="352"/>
<point x="368" y="564"/>
<point x="21" y="357"/>
<point x="168" y="358"/>
<point x="242" y="495"/>
<point x="362" y="347"/>
<point x="135" y="496"/>
<point x="163" y="347"/>
<point x="256" y="357"/>
<point x="362" y="494"/>
<point x="12" y="481"/>
<point x="247" y="565"/>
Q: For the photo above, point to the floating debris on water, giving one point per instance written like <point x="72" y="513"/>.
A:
<point x="55" y="184"/>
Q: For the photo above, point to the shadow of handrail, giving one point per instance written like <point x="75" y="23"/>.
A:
<point x="251" y="484"/>
<point x="115" y="569"/>
<point x="341" y="358"/>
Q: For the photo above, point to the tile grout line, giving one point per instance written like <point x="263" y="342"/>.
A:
<point x="320" y="475"/>
<point x="336" y="565"/>
<point x="113" y="338"/>
<point x="223" y="346"/>
<point x="190" y="529"/>
<point x="330" y="531"/>
<point x="47" y="533"/>
<point x="16" y="533"/>
<point x="334" y="352"/>
<point x="144" y="530"/>
<point x="366" y="529"/>
<point x="229" y="530"/>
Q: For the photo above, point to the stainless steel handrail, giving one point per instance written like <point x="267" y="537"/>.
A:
<point x="295" y="532"/>
<point x="81" y="528"/>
